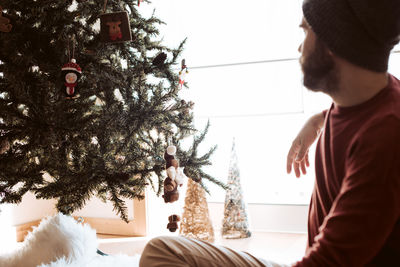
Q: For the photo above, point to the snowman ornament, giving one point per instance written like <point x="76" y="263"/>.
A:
<point x="71" y="73"/>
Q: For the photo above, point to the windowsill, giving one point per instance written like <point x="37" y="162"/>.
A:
<point x="264" y="204"/>
<point x="279" y="247"/>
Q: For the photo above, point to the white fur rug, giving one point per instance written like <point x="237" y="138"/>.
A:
<point x="60" y="241"/>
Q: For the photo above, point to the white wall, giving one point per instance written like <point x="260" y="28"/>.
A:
<point x="32" y="209"/>
<point x="267" y="218"/>
<point x="96" y="208"/>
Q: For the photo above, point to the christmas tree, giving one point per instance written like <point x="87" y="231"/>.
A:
<point x="86" y="113"/>
<point x="196" y="221"/>
<point x="235" y="222"/>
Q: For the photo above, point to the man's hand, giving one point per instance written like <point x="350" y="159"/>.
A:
<point x="298" y="152"/>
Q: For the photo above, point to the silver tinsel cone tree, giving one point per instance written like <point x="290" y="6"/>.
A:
<point x="109" y="142"/>
<point x="235" y="222"/>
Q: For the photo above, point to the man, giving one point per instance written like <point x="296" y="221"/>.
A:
<point x="354" y="216"/>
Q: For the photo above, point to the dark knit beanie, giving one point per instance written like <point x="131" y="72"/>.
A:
<point x="360" y="31"/>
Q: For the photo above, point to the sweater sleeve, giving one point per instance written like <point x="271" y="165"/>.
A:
<point x="325" y="111"/>
<point x="368" y="205"/>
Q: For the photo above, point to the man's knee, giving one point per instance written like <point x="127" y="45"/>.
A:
<point x="160" y="242"/>
<point x="157" y="249"/>
<point x="153" y="244"/>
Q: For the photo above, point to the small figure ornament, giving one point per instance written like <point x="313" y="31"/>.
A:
<point x="173" y="220"/>
<point x="182" y="73"/>
<point x="175" y="176"/>
<point x="71" y="73"/>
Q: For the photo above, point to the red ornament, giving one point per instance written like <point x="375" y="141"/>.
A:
<point x="115" y="27"/>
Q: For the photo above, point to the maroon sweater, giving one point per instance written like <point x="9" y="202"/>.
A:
<point x="354" y="215"/>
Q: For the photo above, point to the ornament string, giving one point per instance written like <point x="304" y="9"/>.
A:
<point x="73" y="47"/>
<point x="69" y="51"/>
<point x="105" y="6"/>
<point x="170" y="141"/>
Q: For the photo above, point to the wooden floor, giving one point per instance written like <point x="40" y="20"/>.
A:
<point x="279" y="247"/>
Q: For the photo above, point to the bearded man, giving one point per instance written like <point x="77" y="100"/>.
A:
<point x="354" y="215"/>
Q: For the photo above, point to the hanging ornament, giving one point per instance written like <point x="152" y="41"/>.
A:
<point x="173" y="222"/>
<point x="114" y="27"/>
<point x="157" y="63"/>
<point x="5" y="25"/>
<point x="175" y="176"/>
<point x="159" y="60"/>
<point x="182" y="73"/>
<point x="71" y="73"/>
<point x="4" y="146"/>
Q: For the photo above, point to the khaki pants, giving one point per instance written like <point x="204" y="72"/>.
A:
<point x="182" y="252"/>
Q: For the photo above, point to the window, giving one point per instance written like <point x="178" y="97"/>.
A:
<point x="245" y="78"/>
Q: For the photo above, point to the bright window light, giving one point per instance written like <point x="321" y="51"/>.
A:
<point x="245" y="78"/>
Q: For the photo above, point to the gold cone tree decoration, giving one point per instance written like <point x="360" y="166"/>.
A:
<point x="196" y="222"/>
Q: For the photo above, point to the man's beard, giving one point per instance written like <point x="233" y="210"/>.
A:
<point x="320" y="74"/>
